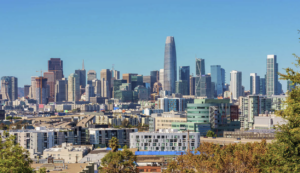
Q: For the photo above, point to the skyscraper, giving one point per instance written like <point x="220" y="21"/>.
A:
<point x="182" y="87"/>
<point x="205" y="86"/>
<point x="272" y="75"/>
<point x="262" y="87"/>
<point x="105" y="78"/>
<point x="9" y="88"/>
<point x="26" y="90"/>
<point x="32" y="92"/>
<point x="279" y="88"/>
<point x="254" y="84"/>
<point x="223" y="79"/>
<point x="161" y="77"/>
<point x="184" y="75"/>
<point x="192" y="85"/>
<point x="41" y="90"/>
<point x="154" y="75"/>
<point x="50" y="81"/>
<point x="200" y="67"/>
<point x="73" y="87"/>
<point x="115" y="74"/>
<point x="56" y="65"/>
<point x="290" y="85"/>
<point x="89" y="92"/>
<point x="170" y="65"/>
<point x="236" y="84"/>
<point x="91" y="75"/>
<point x="82" y="76"/>
<point x="61" y="90"/>
<point x="97" y="87"/>
<point x="216" y="78"/>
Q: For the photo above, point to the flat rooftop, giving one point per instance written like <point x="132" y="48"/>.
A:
<point x="222" y="140"/>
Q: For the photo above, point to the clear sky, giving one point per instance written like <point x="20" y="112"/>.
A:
<point x="238" y="35"/>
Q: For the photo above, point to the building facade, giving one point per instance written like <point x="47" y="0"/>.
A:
<point x="254" y="83"/>
<point x="216" y="77"/>
<point x="73" y="87"/>
<point x="236" y="84"/>
<point x="272" y="75"/>
<point x="170" y="65"/>
<point x="56" y="65"/>
<point x="9" y="88"/>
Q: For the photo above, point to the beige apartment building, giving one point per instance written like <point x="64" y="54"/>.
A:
<point x="69" y="152"/>
<point x="166" y="122"/>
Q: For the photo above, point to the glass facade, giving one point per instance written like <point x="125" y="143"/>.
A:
<point x="184" y="75"/>
<point x="170" y="65"/>
<point x="254" y="83"/>
<point x="205" y="86"/>
<point x="216" y="77"/>
<point x="182" y="87"/>
<point x="9" y="88"/>
<point x="272" y="75"/>
<point x="262" y="86"/>
<point x="223" y="78"/>
<point x="200" y="67"/>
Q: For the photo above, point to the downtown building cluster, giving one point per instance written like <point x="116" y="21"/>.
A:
<point x="90" y="108"/>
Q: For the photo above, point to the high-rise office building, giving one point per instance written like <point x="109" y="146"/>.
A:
<point x="50" y="81"/>
<point x="128" y="76"/>
<point x="290" y="85"/>
<point x="105" y="78"/>
<point x="136" y="81"/>
<point x="223" y="78"/>
<point x="117" y="84"/>
<point x="236" y="84"/>
<point x="154" y="75"/>
<point x="272" y="75"/>
<point x="97" y="87"/>
<point x="32" y="92"/>
<point x="205" y="86"/>
<point x="115" y="74"/>
<point x="216" y="78"/>
<point x="9" y="88"/>
<point x="200" y="67"/>
<point x="170" y="65"/>
<point x="192" y="85"/>
<point x="73" y="87"/>
<point x="161" y="77"/>
<point x="91" y="75"/>
<point x="262" y="88"/>
<point x="89" y="92"/>
<point x="82" y="76"/>
<point x="41" y="90"/>
<point x="61" y="90"/>
<point x="279" y="88"/>
<point x="184" y="75"/>
<point x="254" y="84"/>
<point x="26" y="90"/>
<point x="182" y="87"/>
<point x="56" y="65"/>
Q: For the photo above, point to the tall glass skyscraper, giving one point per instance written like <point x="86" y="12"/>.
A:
<point x="236" y="84"/>
<point x="200" y="67"/>
<point x="216" y="78"/>
<point x="262" y="87"/>
<point x="272" y="75"/>
<point x="170" y="70"/>
<point x="9" y="88"/>
<point x="223" y="78"/>
<point x="184" y="75"/>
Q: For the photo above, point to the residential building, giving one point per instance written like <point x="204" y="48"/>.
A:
<point x="9" y="88"/>
<point x="68" y="152"/>
<point x="236" y="84"/>
<point x="170" y="65"/>
<point x="262" y="88"/>
<point x="272" y="75"/>
<point x="165" y="140"/>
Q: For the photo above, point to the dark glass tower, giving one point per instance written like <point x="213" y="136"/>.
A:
<point x="184" y="75"/>
<point x="170" y="70"/>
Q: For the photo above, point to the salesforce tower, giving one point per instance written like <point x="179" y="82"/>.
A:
<point x="170" y="67"/>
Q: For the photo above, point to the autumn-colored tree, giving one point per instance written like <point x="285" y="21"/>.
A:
<point x="118" y="161"/>
<point x="284" y="154"/>
<point x="13" y="157"/>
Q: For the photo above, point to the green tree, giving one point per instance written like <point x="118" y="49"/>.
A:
<point x="118" y="161"/>
<point x="284" y="154"/>
<point x="125" y="123"/>
<point x="13" y="157"/>
<point x="210" y="133"/>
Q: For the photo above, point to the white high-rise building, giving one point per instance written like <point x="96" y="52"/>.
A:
<point x="89" y="92"/>
<point x="73" y="87"/>
<point x="254" y="83"/>
<point x="236" y="84"/>
<point x="272" y="75"/>
<point x="161" y="77"/>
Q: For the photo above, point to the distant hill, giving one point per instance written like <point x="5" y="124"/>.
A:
<point x="20" y="92"/>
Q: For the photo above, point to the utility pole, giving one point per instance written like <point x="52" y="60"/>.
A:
<point x="188" y="137"/>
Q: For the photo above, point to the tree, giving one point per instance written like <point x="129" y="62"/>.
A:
<point x="125" y="123"/>
<point x="13" y="157"/>
<point x="118" y="161"/>
<point x="210" y="133"/>
<point x="284" y="154"/>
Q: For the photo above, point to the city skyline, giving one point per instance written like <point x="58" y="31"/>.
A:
<point x="226" y="45"/>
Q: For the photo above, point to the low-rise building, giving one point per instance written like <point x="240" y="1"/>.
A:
<point x="165" y="140"/>
<point x="68" y="152"/>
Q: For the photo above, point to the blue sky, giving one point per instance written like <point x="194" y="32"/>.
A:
<point x="238" y="35"/>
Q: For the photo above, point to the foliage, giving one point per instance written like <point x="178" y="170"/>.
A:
<point x="9" y="117"/>
<point x="42" y="170"/>
<point x="14" y="158"/>
<point x="118" y="161"/>
<point x="284" y="154"/>
<point x="214" y="158"/>
<point x="125" y="123"/>
<point x="210" y="134"/>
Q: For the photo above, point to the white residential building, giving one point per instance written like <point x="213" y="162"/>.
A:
<point x="236" y="84"/>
